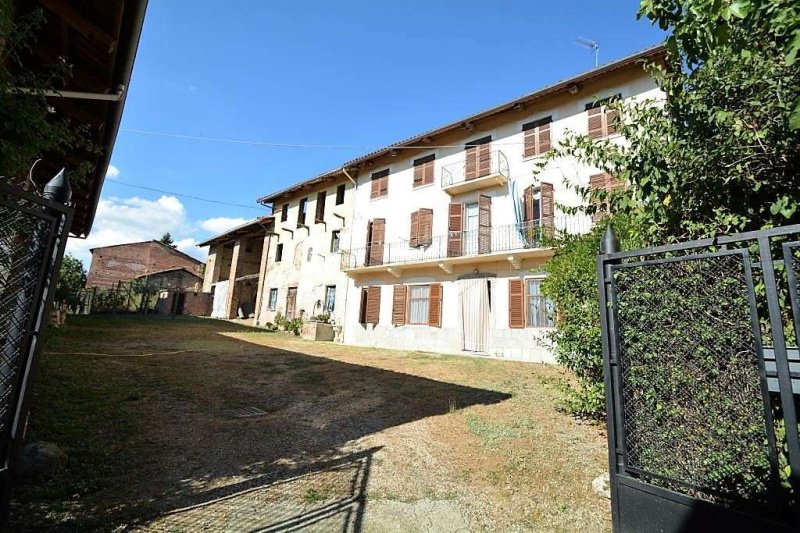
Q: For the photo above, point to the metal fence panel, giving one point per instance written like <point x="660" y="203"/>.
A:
<point x="33" y="232"/>
<point x="702" y="421"/>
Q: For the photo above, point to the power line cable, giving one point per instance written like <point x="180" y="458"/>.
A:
<point x="297" y="145"/>
<point x="182" y="195"/>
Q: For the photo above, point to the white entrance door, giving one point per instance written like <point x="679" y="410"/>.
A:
<point x="471" y="229"/>
<point x="475" y="319"/>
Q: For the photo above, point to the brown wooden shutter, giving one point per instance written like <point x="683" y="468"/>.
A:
<point x="527" y="203"/>
<point x="384" y="190"/>
<point x="454" y="236"/>
<point x="530" y="142"/>
<point x="419" y="175"/>
<point x="399" y="305"/>
<point x="596" y="122"/>
<point x="376" y="241"/>
<point x="425" y="235"/>
<point x="435" y="305"/>
<point x="428" y="172"/>
<point x="471" y="170"/>
<point x="484" y="224"/>
<point x="611" y="116"/>
<point x="373" y="312"/>
<point x="548" y="205"/>
<point x="484" y="159"/>
<point x="543" y="144"/>
<point x="413" y="239"/>
<point x="375" y="191"/>
<point x="516" y="304"/>
<point x="598" y="182"/>
<point x="320" y="212"/>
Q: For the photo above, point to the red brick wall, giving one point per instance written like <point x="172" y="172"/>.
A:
<point x="127" y="261"/>
<point x="195" y="303"/>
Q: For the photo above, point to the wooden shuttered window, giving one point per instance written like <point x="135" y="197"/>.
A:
<point x="547" y="206"/>
<point x="454" y="227"/>
<point x="479" y="158"/>
<point x="372" y="305"/>
<point x="376" y="230"/>
<point x="399" y="305"/>
<point x="380" y="184"/>
<point x="537" y="136"/>
<point x="319" y="215"/>
<point x="421" y="228"/>
<point x="600" y="186"/>
<point x="602" y="120"/>
<point x="539" y="210"/>
<point x="435" y="305"/>
<point x="484" y="224"/>
<point x="516" y="304"/>
<point x="423" y="170"/>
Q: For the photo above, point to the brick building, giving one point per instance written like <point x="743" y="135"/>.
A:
<point x="125" y="262"/>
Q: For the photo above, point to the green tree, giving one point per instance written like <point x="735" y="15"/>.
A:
<point x="167" y="239"/>
<point x="29" y="126"/>
<point x="71" y="280"/>
<point x="718" y="155"/>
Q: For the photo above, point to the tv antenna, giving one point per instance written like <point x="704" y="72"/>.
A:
<point x="591" y="45"/>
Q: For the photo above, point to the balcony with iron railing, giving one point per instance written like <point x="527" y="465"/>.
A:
<point x="475" y="172"/>
<point x="512" y="242"/>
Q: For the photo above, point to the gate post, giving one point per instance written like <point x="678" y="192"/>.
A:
<point x="609" y="245"/>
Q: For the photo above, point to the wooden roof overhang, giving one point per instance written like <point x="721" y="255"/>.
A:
<point x="260" y="225"/>
<point x="99" y="39"/>
<point x="654" y="53"/>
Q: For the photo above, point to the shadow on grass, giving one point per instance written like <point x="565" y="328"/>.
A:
<point x="171" y="457"/>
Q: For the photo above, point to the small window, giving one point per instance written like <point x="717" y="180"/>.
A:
<point x="340" y="194"/>
<point x="380" y="184"/>
<point x="309" y="254"/>
<point x="335" y="236"/>
<point x="418" y="304"/>
<point x="330" y="298"/>
<point x="301" y="212"/>
<point x="540" y="309"/>
<point x="423" y="170"/>
<point x="284" y="212"/>
<point x="601" y="119"/>
<point x="320" y="213"/>
<point x="279" y="253"/>
<point x="537" y="137"/>
<point x="273" y="299"/>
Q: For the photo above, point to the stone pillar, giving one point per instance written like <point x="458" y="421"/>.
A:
<point x="230" y="305"/>
<point x="213" y="265"/>
<point x="262" y="277"/>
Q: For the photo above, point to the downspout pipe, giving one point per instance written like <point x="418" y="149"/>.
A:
<point x="350" y="247"/>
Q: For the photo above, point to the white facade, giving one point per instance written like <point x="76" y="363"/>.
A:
<point x="476" y="317"/>
<point x="528" y="343"/>
<point x="308" y="263"/>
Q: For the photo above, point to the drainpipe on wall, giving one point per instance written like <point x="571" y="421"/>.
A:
<point x="352" y="225"/>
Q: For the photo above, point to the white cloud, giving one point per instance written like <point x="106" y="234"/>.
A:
<point x="218" y="225"/>
<point x="112" y="171"/>
<point x="124" y="220"/>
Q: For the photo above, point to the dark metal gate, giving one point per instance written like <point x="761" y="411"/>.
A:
<point x="33" y="233"/>
<point x="701" y="389"/>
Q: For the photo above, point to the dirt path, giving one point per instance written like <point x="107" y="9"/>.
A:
<point x="345" y="439"/>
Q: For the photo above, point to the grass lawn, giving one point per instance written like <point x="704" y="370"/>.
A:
<point x="345" y="439"/>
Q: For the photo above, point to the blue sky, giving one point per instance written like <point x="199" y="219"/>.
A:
<point x="355" y="73"/>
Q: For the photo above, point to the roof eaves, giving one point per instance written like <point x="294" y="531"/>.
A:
<point x="651" y="52"/>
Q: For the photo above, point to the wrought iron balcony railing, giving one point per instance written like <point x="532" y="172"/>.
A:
<point x="470" y="243"/>
<point x="475" y="167"/>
